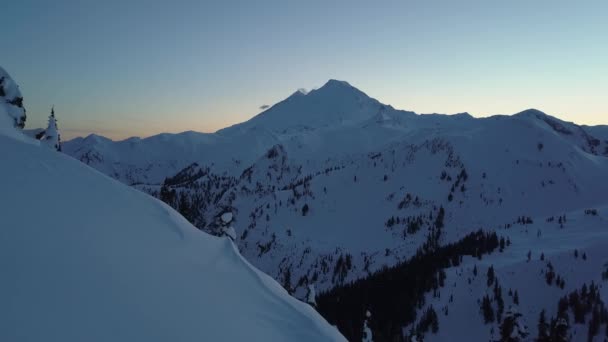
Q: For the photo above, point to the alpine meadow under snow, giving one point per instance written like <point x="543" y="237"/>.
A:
<point x="86" y="258"/>
<point x="333" y="191"/>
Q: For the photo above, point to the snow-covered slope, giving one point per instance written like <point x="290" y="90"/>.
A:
<point x="528" y="274"/>
<point x="86" y="258"/>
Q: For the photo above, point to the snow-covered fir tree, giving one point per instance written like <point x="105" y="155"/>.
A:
<point x="311" y="296"/>
<point x="51" y="136"/>
<point x="513" y="328"/>
<point x="559" y="330"/>
<point x="226" y="226"/>
<point x="367" y="332"/>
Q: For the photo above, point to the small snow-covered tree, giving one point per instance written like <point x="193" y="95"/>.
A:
<point x="559" y="329"/>
<point x="305" y="209"/>
<point x="513" y="328"/>
<point x="367" y="332"/>
<point x="543" y="328"/>
<point x="226" y="228"/>
<point x="311" y="296"/>
<point x="51" y="136"/>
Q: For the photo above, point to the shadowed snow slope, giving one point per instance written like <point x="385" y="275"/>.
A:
<point x="86" y="258"/>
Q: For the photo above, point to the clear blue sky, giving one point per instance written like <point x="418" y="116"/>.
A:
<point x="123" y="68"/>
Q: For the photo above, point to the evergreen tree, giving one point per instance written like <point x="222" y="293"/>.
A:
<point x="184" y="206"/>
<point x="225" y="225"/>
<point x="543" y="328"/>
<point x="512" y="328"/>
<point x="434" y="321"/>
<point x="51" y="136"/>
<point x="499" y="302"/>
<point x="594" y="324"/>
<point x="487" y="310"/>
<point x="491" y="276"/>
<point x="559" y="329"/>
<point x="367" y="332"/>
<point x="168" y="195"/>
<point x="311" y="296"/>
<point x="305" y="209"/>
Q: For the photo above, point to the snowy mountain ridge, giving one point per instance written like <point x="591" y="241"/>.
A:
<point x="330" y="121"/>
<point x="330" y="187"/>
<point x="313" y="110"/>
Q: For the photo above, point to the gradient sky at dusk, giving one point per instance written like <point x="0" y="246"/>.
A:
<point x="124" y="68"/>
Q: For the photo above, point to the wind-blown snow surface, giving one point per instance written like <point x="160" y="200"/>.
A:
<point x="86" y="258"/>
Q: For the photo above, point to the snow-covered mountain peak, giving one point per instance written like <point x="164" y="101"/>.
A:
<point x="332" y="83"/>
<point x="335" y="103"/>
<point x="341" y="90"/>
<point x="465" y="115"/>
<point x="532" y="113"/>
<point x="298" y="93"/>
<point x="94" y="138"/>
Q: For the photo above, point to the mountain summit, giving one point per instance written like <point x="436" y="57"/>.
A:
<point x="335" y="103"/>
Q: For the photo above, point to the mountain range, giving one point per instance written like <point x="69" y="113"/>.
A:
<point x="332" y="188"/>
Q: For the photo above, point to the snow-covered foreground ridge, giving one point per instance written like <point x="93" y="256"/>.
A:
<point x="86" y="258"/>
